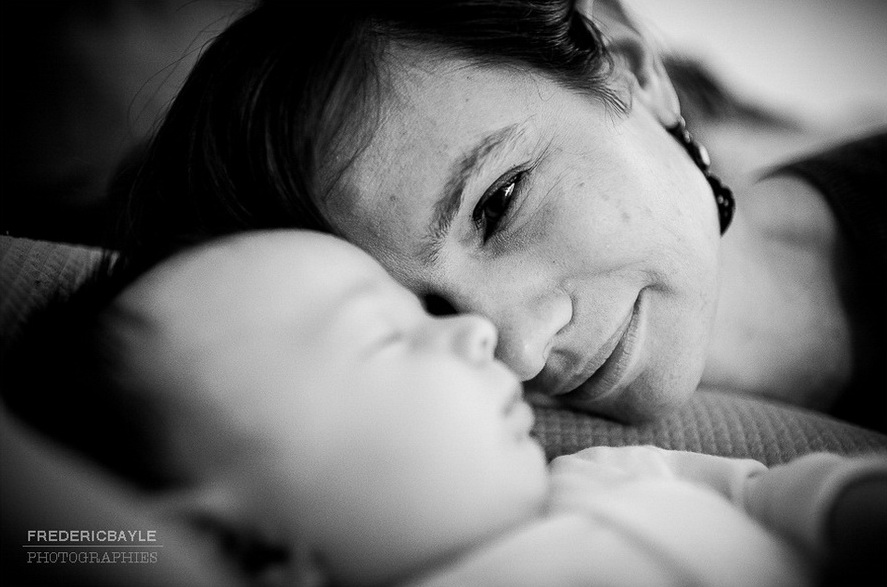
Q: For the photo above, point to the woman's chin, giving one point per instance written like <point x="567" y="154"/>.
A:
<point x="641" y="401"/>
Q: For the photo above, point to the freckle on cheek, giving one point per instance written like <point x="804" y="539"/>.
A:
<point x="626" y="217"/>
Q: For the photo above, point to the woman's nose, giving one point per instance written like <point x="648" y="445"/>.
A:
<point x="470" y="336"/>
<point x="527" y="332"/>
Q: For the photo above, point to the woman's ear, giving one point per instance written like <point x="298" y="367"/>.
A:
<point x="635" y="57"/>
<point x="234" y="535"/>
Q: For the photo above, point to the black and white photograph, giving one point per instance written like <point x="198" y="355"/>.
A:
<point x="432" y="293"/>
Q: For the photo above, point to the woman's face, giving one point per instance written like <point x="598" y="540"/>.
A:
<point x="587" y="236"/>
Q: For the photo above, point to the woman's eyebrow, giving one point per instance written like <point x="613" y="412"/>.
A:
<point x="450" y="200"/>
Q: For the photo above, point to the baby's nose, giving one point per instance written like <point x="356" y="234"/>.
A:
<point x="472" y="337"/>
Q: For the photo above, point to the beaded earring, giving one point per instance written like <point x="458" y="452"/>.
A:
<point x="723" y="195"/>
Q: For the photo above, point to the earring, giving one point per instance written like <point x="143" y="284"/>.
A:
<point x="723" y="195"/>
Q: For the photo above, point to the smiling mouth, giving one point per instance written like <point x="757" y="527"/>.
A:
<point x="607" y="369"/>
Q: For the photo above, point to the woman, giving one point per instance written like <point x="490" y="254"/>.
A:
<point x="518" y="159"/>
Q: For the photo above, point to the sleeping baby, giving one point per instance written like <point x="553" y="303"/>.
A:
<point x="287" y="396"/>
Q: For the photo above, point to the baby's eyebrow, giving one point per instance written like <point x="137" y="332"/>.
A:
<point x="451" y="199"/>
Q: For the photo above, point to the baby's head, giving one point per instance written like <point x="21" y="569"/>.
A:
<point x="307" y="396"/>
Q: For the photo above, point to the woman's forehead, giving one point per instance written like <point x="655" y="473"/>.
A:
<point x="438" y="105"/>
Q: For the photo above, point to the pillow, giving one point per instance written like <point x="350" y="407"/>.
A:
<point x="31" y="273"/>
<point x="713" y="421"/>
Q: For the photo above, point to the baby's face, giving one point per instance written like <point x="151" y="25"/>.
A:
<point x="390" y="436"/>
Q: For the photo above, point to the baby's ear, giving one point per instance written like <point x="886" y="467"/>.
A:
<point x="635" y="57"/>
<point x="233" y="534"/>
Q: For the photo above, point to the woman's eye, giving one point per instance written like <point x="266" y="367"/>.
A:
<point x="495" y="205"/>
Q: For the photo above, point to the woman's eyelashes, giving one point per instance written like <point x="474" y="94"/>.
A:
<point x="493" y="209"/>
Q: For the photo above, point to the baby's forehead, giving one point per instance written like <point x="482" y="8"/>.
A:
<point x="268" y="271"/>
<point x="262" y="254"/>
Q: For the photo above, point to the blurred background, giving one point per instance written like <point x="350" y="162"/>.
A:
<point x="823" y="59"/>
<point x="83" y="81"/>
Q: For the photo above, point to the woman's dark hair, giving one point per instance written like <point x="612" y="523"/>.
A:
<point x="277" y="92"/>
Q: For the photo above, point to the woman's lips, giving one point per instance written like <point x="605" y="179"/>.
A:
<point x="606" y="370"/>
